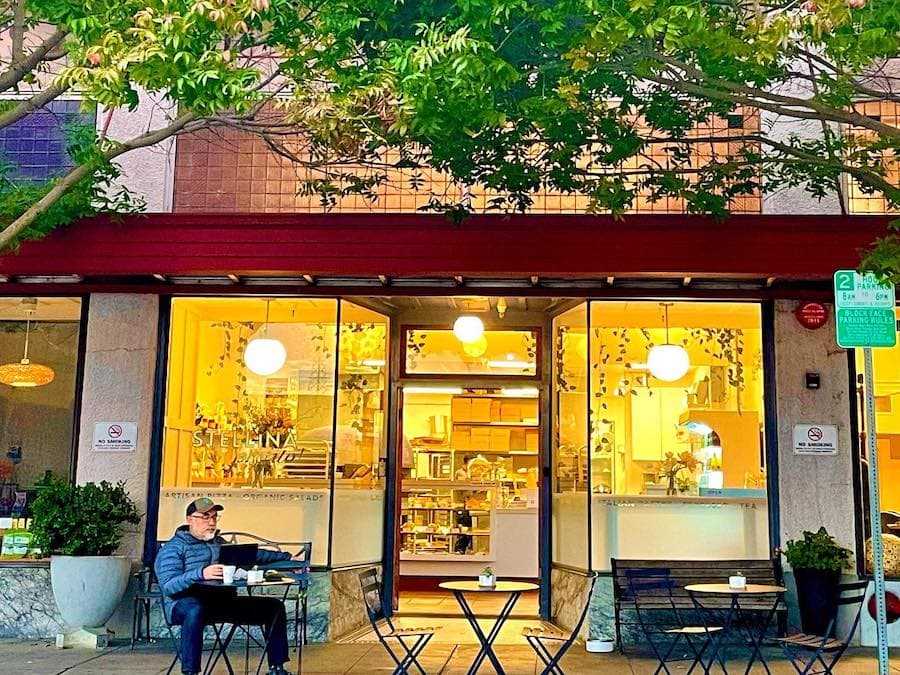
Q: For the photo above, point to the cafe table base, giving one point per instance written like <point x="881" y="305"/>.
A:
<point x="754" y="632"/>
<point x="286" y="583"/>
<point x="514" y="589"/>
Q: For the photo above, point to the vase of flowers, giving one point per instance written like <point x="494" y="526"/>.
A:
<point x="674" y="464"/>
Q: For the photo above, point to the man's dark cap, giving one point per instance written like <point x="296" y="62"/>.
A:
<point x="202" y="505"/>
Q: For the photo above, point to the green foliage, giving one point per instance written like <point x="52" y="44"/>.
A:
<point x="84" y="519"/>
<point x="817" y="551"/>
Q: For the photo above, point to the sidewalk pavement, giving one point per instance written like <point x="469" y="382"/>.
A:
<point x="43" y="658"/>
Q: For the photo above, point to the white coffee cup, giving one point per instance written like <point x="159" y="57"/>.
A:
<point x="228" y="574"/>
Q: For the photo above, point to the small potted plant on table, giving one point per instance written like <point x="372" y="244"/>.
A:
<point x="487" y="578"/>
<point x="817" y="561"/>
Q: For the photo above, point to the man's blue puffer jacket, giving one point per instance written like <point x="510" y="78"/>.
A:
<point x="180" y="562"/>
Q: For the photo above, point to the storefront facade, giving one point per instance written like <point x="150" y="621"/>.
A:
<point x="332" y="446"/>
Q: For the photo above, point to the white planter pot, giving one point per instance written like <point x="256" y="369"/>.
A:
<point x="87" y="589"/>
<point x="487" y="581"/>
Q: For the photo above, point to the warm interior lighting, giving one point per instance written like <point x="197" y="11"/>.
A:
<point x="265" y="356"/>
<point x="431" y="390"/>
<point x="25" y="373"/>
<point x="468" y="328"/>
<point x="520" y="392"/>
<point x="510" y="364"/>
<point x="668" y="362"/>
<point x="477" y="348"/>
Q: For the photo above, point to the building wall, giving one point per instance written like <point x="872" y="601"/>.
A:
<point x="119" y="367"/>
<point x="146" y="172"/>
<point x="813" y="491"/>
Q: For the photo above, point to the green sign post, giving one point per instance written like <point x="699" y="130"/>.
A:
<point x="864" y="312"/>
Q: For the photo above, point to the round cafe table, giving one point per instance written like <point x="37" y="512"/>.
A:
<point x="755" y="632"/>
<point x="513" y="588"/>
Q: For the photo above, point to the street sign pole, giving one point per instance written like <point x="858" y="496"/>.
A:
<point x="865" y="317"/>
<point x="875" y="516"/>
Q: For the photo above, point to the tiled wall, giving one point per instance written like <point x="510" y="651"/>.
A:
<point x="231" y="171"/>
<point x="36" y="144"/>
<point x="887" y="112"/>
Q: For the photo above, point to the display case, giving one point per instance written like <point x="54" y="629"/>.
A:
<point x="451" y="520"/>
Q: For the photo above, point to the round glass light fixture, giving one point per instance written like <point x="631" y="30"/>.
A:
<point x="265" y="355"/>
<point x="25" y="373"/>
<point x="468" y="328"/>
<point x="477" y="348"/>
<point x="668" y="362"/>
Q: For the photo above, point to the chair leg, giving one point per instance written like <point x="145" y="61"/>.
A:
<point x="134" y="620"/>
<point x="305" y="618"/>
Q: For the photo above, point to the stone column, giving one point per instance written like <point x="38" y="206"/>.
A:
<point x="119" y="368"/>
<point x="814" y="491"/>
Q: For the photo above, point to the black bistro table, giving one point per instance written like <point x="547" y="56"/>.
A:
<point x="513" y="588"/>
<point x="286" y="582"/>
<point x="755" y="632"/>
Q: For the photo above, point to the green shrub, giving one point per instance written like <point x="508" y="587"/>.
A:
<point x="84" y="519"/>
<point x="817" y="551"/>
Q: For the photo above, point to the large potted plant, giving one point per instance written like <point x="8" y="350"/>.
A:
<point x="817" y="561"/>
<point x="80" y="527"/>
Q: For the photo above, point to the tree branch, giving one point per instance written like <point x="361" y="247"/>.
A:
<point x="20" y="68"/>
<point x="29" y="105"/>
<point x="82" y="171"/>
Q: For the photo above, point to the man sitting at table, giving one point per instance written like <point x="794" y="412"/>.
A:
<point x="190" y="557"/>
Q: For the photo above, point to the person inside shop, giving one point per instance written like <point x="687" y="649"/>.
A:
<point x="190" y="557"/>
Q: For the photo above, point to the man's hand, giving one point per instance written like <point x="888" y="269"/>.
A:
<point x="211" y="572"/>
<point x="298" y="558"/>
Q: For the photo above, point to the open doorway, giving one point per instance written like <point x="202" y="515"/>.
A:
<point x="471" y="448"/>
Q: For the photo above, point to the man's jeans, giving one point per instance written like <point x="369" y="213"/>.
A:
<point x="193" y="614"/>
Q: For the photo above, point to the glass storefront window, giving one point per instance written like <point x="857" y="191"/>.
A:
<point x="361" y="436"/>
<point x="269" y="404"/>
<point x="886" y="390"/>
<point x="676" y="450"/>
<point x="570" y="438"/>
<point x="258" y="444"/>
<point x="502" y="353"/>
<point x="36" y="422"/>
<point x="672" y="448"/>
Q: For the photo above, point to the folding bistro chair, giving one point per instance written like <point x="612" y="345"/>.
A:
<point x="540" y="639"/>
<point x="146" y="592"/>
<point x="411" y="640"/>
<point x="652" y="587"/>
<point x="817" y="648"/>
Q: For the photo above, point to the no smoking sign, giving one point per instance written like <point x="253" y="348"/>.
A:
<point x="115" y="436"/>
<point x="815" y="439"/>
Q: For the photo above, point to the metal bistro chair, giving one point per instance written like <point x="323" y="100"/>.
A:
<point x="652" y="587"/>
<point x="146" y="592"/>
<point x="418" y="637"/>
<point x="540" y="639"/>
<point x="299" y="597"/>
<point x="796" y="646"/>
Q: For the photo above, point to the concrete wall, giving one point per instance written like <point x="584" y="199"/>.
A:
<point x="119" y="367"/>
<point x="146" y="172"/>
<point x="814" y="491"/>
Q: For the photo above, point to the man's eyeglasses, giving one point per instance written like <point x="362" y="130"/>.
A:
<point x="206" y="517"/>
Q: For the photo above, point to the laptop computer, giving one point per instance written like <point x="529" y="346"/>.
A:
<point x="239" y="555"/>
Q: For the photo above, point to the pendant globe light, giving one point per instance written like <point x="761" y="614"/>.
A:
<point x="668" y="362"/>
<point x="265" y="355"/>
<point x="25" y="373"/>
<point x="468" y="328"/>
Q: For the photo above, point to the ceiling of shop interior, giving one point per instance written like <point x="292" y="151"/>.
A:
<point x="47" y="309"/>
